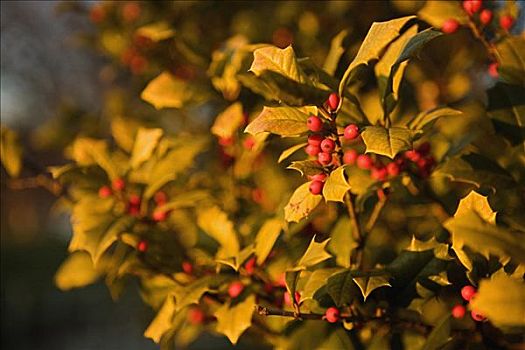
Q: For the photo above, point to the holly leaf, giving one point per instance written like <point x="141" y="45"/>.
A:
<point x="87" y="151"/>
<point x="11" y="152"/>
<point x="502" y="300"/>
<point x="284" y="121"/>
<point x="359" y="180"/>
<point x="301" y="204"/>
<point x="342" y="242"/>
<point x="477" y="203"/>
<point x="76" y="271"/>
<point x="266" y="238"/>
<point x="289" y="151"/>
<point x="145" y="143"/>
<point x="429" y="116"/>
<point x="278" y="60"/>
<point x="440" y="250"/>
<point x="156" y="32"/>
<point x="162" y="322"/>
<point x="317" y="280"/>
<point x="306" y="167"/>
<point x="388" y="141"/>
<point x="335" y="186"/>
<point x="232" y="321"/>
<point x="228" y="121"/>
<point x="167" y="91"/>
<point x="342" y="288"/>
<point x="192" y="293"/>
<point x="315" y="253"/>
<point x="336" y="51"/>
<point x="215" y="223"/>
<point x="368" y="284"/>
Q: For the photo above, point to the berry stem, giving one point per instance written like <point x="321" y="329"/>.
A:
<point x="357" y="256"/>
<point x="376" y="212"/>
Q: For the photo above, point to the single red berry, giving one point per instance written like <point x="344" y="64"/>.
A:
<point x="134" y="200"/>
<point x="324" y="158"/>
<point x="485" y="17"/>
<point x="350" y="156"/>
<point x="314" y="123"/>
<point x="450" y="26"/>
<point x="332" y="314"/>
<point x="332" y="102"/>
<point x="131" y="12"/>
<point x="316" y="187"/>
<point x="458" y="311"/>
<point x="379" y="173"/>
<point x="160" y="215"/>
<point x="392" y="169"/>
<point x="413" y="155"/>
<point x="235" y="289"/>
<point x="312" y="150"/>
<point x="248" y="143"/>
<point x="471" y="6"/>
<point x="328" y="145"/>
<point x="318" y="177"/>
<point x="468" y="292"/>
<point x="351" y="132"/>
<point x="249" y="266"/>
<point x="104" y="192"/>
<point x="133" y="210"/>
<point x="364" y="161"/>
<point x="225" y="141"/>
<point x="476" y="316"/>
<point x="196" y="316"/>
<point x="424" y="148"/>
<point x="160" y="198"/>
<point x="315" y="140"/>
<point x="118" y="184"/>
<point x="142" y="246"/>
<point x="187" y="267"/>
<point x="506" y="22"/>
<point x="97" y="13"/>
<point x="493" y="70"/>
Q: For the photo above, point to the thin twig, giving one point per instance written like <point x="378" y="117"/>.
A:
<point x="375" y="215"/>
<point x="356" y="230"/>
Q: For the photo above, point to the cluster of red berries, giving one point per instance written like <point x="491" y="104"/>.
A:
<point x="472" y="7"/>
<point x="459" y="311"/>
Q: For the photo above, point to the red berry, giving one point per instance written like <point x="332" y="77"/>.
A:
<point x="392" y="169"/>
<point x="249" y="266"/>
<point x="134" y="200"/>
<point x="471" y="6"/>
<point x="316" y="187"/>
<point x="315" y="140"/>
<point x="160" y="215"/>
<point x="133" y="210"/>
<point x="458" y="311"/>
<point x="314" y="123"/>
<point x="248" y="143"/>
<point x="506" y="22"/>
<point x="318" y="177"/>
<point x="364" y="161"/>
<point x="312" y="150"/>
<point x="324" y="158"/>
<point x="350" y="156"/>
<point x="235" y="289"/>
<point x="450" y="26"/>
<point x="225" y="141"/>
<point x="187" y="267"/>
<point x="485" y="17"/>
<point x="118" y="184"/>
<point x="476" y="316"/>
<point x="97" y="13"/>
<point x="468" y="292"/>
<point x="493" y="70"/>
<point x="104" y="192"/>
<point x="288" y="299"/>
<point x="131" y="11"/>
<point x="333" y="102"/>
<point x="142" y="246"/>
<point x="351" y="132"/>
<point x="328" y="145"/>
<point x="413" y="155"/>
<point x="196" y="316"/>
<point x="332" y="314"/>
<point x="379" y="173"/>
<point x="160" y="198"/>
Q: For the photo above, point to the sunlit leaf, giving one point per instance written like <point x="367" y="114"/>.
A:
<point x="162" y="321"/>
<point x="156" y="31"/>
<point x="145" y="143"/>
<point x="228" y="121"/>
<point x="315" y="253"/>
<point x="167" y="91"/>
<point x="301" y="204"/>
<point x="307" y="167"/>
<point x="368" y="284"/>
<point x="11" y="152"/>
<point x="266" y="238"/>
<point x="342" y="242"/>
<point x="76" y="271"/>
<point x="289" y="151"/>
<point x="284" y="121"/>
<point x="336" y="51"/>
<point x="388" y="141"/>
<point x="282" y="61"/>
<point x="335" y="186"/>
<point x="216" y="224"/>
<point x="232" y="321"/>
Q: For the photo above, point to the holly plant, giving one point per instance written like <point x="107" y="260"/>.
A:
<point x="370" y="195"/>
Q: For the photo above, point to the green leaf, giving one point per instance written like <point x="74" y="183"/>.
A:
<point x="317" y="280"/>
<point x="502" y="300"/>
<point x="427" y="117"/>
<point x="87" y="151"/>
<point x="337" y="339"/>
<point x="335" y="186"/>
<point x="192" y="293"/>
<point x="511" y="60"/>
<point x="232" y="321"/>
<point x="388" y="142"/>
<point x="167" y="91"/>
<point x="359" y="180"/>
<point x="342" y="242"/>
<point x="185" y="200"/>
<point x="228" y="121"/>
<point x="162" y="322"/>
<point x="477" y="203"/>
<point x="342" y="288"/>
<point x="440" y="249"/>
<point x="266" y="238"/>
<point x="380" y="35"/>
<point x="368" y="284"/>
<point x="11" y="152"/>
<point x="284" y="121"/>
<point x="145" y="143"/>
<point x="281" y="61"/>
<point x="76" y="271"/>
<point x="301" y="204"/>
<point x="440" y="335"/>
<point x="289" y="151"/>
<point x="315" y="253"/>
<point x="124" y="131"/>
<point x="215" y="223"/>
<point x="120" y="226"/>
<point x="336" y="51"/>
<point x="156" y="32"/>
<point x="436" y="12"/>
<point x="306" y="167"/>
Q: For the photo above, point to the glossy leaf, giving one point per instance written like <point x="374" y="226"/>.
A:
<point x="291" y="150"/>
<point x="232" y="321"/>
<point x="368" y="284"/>
<point x="301" y="204"/>
<point x="342" y="242"/>
<point x="315" y="253"/>
<point x="266" y="238"/>
<point x="167" y="91"/>
<point x="281" y="61"/>
<point x="162" y="321"/>
<point x="342" y="288"/>
<point x="283" y="121"/>
<point x="145" y="143"/>
<point x="307" y="167"/>
<point x="335" y="186"/>
<point x="228" y="121"/>
<point x="388" y="141"/>
<point x="215" y="223"/>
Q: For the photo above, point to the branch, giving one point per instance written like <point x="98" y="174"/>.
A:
<point x="375" y="214"/>
<point x="356" y="230"/>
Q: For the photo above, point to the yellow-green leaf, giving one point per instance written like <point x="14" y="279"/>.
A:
<point x="436" y="12"/>
<point x="306" y="167"/>
<point x="342" y="242"/>
<point x="284" y="121"/>
<point x="232" y="321"/>
<point x="76" y="271"/>
<point x="336" y="51"/>
<point x="145" y="143"/>
<point x="335" y="186"/>
<point x="87" y="151"/>
<point x="388" y="141"/>
<point x="278" y="60"/>
<point x="266" y="237"/>
<point x="429" y="116"/>
<point x="288" y="152"/>
<point x="315" y="253"/>
<point x="228" y="121"/>
<point x="216" y="224"/>
<point x="11" y="152"/>
<point x="167" y="91"/>
<point x="156" y="31"/>
<point x="162" y="322"/>
<point x="368" y="284"/>
<point x="301" y="204"/>
<point x="477" y="203"/>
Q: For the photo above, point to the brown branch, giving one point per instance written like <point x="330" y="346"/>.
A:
<point x="375" y="215"/>
<point x="357" y="257"/>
